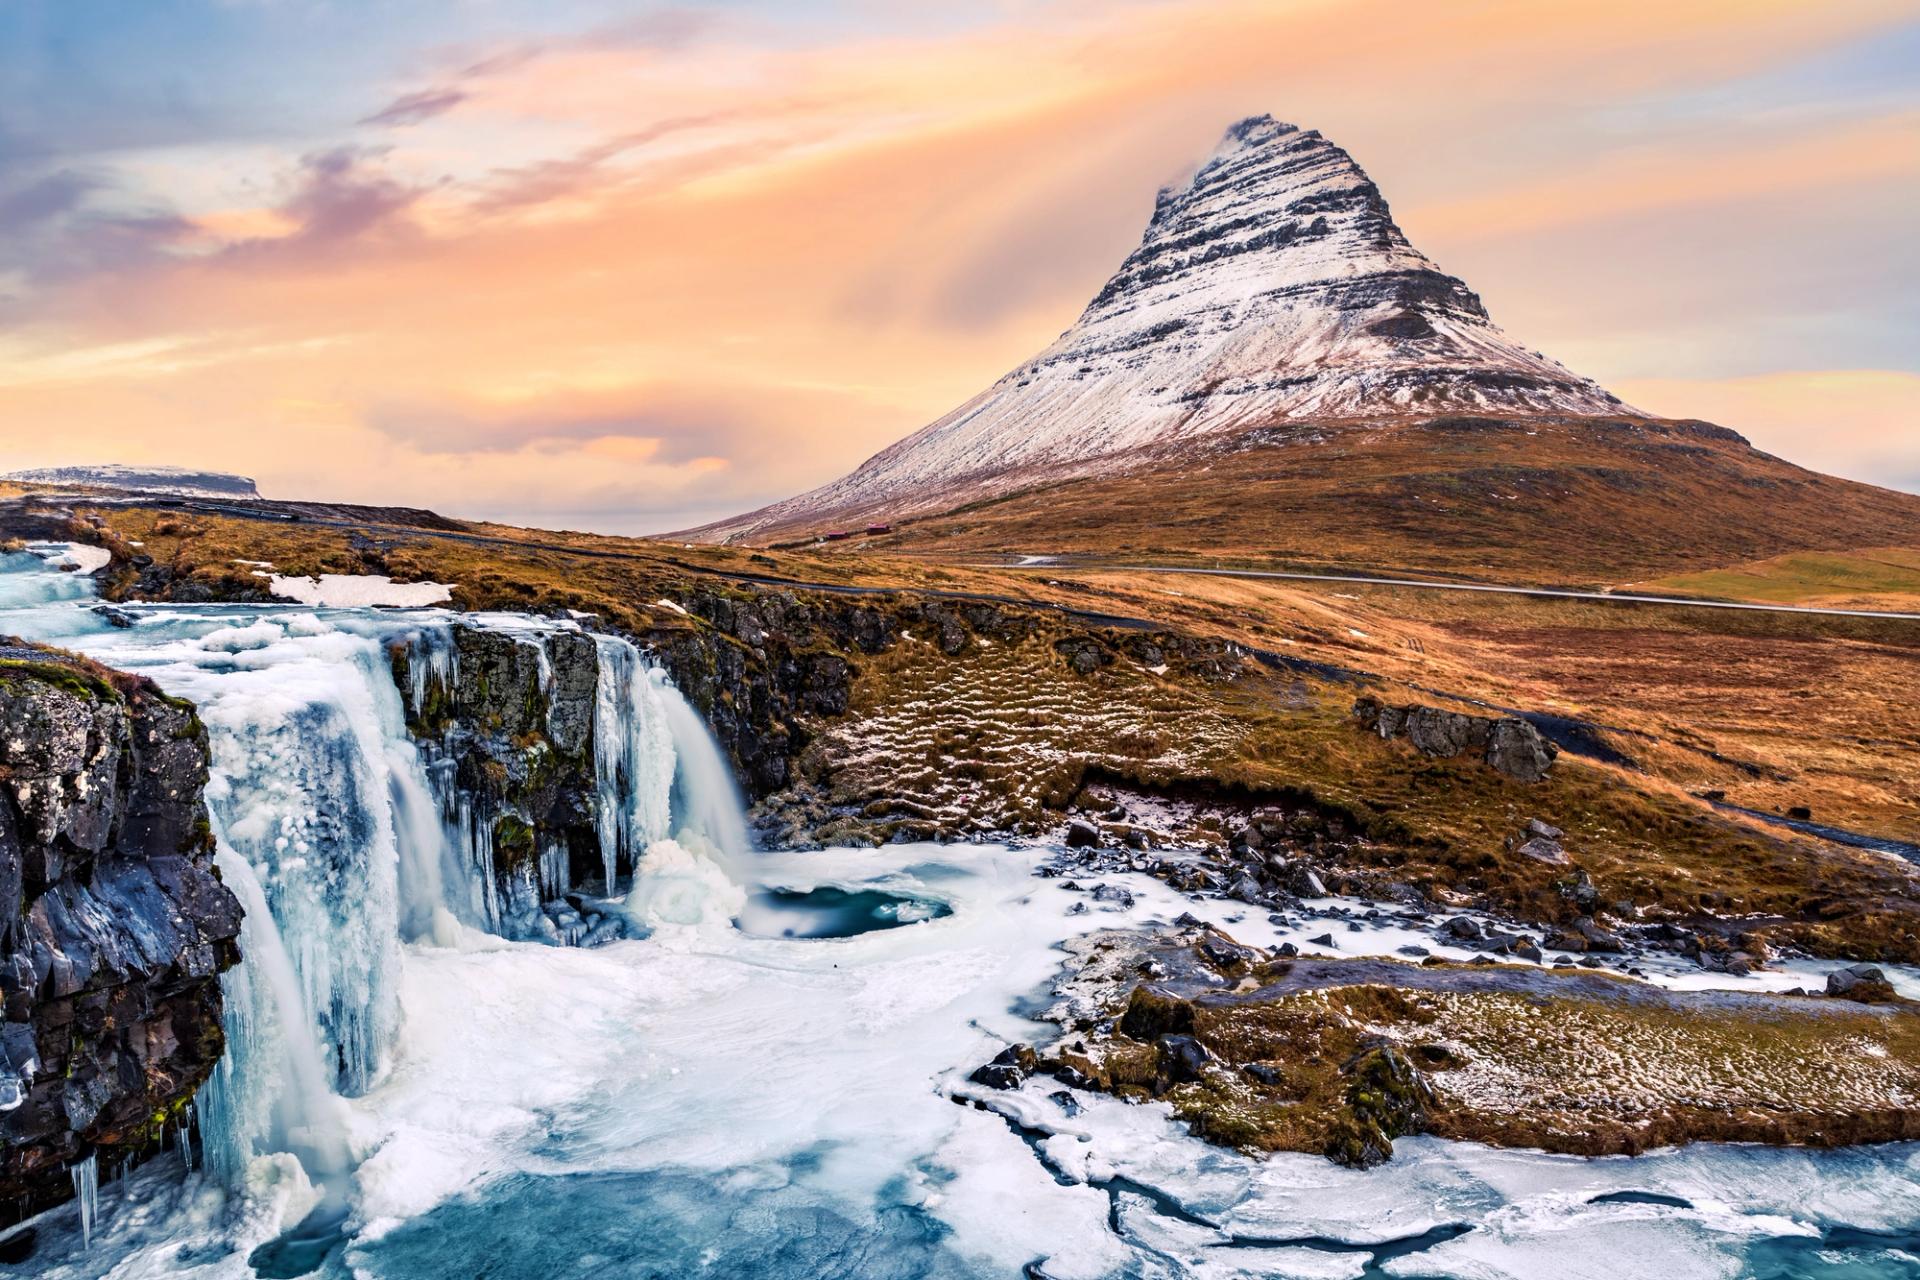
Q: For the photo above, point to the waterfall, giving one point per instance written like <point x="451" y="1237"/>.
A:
<point x="634" y="757"/>
<point x="344" y="838"/>
<point x="271" y="1090"/>
<point x="303" y="792"/>
<point x="706" y="799"/>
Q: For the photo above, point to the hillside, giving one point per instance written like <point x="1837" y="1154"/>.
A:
<point x="1561" y="500"/>
<point x="185" y="482"/>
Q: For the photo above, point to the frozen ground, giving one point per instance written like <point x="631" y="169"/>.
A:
<point x="359" y="590"/>
<point x="708" y="1103"/>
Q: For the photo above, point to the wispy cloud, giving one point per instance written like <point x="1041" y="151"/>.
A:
<point x="417" y="107"/>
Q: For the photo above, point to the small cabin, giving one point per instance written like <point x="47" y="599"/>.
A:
<point x="879" y="528"/>
<point x="838" y="535"/>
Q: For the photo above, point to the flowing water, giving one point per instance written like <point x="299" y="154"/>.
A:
<point x="772" y="1082"/>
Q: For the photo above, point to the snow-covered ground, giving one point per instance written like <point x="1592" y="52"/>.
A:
<point x="359" y="590"/>
<point x="79" y="557"/>
<point x="703" y="1102"/>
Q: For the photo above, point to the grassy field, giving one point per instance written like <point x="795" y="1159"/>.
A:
<point x="1872" y="578"/>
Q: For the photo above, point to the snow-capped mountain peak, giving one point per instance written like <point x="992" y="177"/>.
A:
<point x="1272" y="286"/>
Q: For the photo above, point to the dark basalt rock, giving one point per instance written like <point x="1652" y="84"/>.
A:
<point x="1009" y="1068"/>
<point x="1387" y="1098"/>
<point x="1508" y="744"/>
<point x="1183" y="1059"/>
<point x="1863" y="982"/>
<point x="114" y="926"/>
<point x="1082" y="834"/>
<point x="515" y="729"/>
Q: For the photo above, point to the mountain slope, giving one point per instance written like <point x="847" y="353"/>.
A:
<point x="1584" y="501"/>
<point x="1274" y="286"/>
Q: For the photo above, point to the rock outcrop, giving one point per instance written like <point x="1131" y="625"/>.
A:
<point x="1508" y="744"/>
<point x="507" y="730"/>
<point x="1342" y="1056"/>
<point x="114" y="926"/>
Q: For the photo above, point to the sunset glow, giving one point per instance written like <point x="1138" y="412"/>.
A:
<point x="583" y="265"/>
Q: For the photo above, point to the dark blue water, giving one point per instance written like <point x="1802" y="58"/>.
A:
<point x="830" y="912"/>
<point x="1842" y="1253"/>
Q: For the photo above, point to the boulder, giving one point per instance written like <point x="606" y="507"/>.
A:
<point x="1009" y="1068"/>
<point x="1541" y="849"/>
<point x="1863" y="982"/>
<point x="1183" y="1059"/>
<point x="1082" y="834"/>
<point x="1225" y="955"/>
<point x="1597" y="938"/>
<point x="1508" y="744"/>
<point x="1519" y="750"/>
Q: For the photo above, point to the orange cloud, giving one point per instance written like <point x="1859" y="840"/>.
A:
<point x="649" y="281"/>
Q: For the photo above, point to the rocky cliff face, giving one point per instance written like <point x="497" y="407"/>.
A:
<point x="507" y="728"/>
<point x="114" y="928"/>
<point x="1273" y="287"/>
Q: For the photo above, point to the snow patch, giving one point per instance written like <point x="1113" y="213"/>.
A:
<point x="359" y="590"/>
<point x="77" y="556"/>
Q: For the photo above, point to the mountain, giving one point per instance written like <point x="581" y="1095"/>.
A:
<point x="182" y="482"/>
<point x="1274" y="286"/>
<point x="1277" y="376"/>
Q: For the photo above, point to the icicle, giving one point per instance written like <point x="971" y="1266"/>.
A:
<point x="86" y="1190"/>
<point x="183" y="1138"/>
<point x="433" y="660"/>
<point x="633" y="758"/>
<point x="553" y="872"/>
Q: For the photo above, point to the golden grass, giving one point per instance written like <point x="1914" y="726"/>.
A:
<point x="1533" y="501"/>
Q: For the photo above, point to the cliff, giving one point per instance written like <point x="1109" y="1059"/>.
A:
<point x="114" y="926"/>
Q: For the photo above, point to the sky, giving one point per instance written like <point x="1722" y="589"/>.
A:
<point x="629" y="267"/>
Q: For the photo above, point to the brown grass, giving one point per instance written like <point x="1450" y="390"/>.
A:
<point x="1528" y="501"/>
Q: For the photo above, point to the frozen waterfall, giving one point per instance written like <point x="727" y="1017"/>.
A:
<point x="634" y="756"/>
<point x="346" y="839"/>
